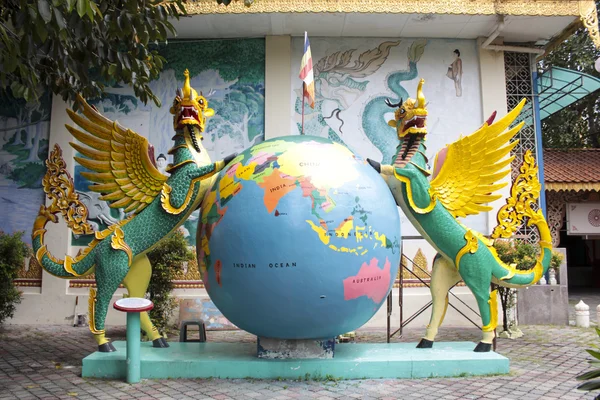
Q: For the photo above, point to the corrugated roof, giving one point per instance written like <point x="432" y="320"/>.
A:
<point x="573" y="169"/>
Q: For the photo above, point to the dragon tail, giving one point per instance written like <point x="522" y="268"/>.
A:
<point x="58" y="186"/>
<point x="520" y="205"/>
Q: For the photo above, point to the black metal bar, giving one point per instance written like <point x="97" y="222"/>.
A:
<point x="461" y="313"/>
<point x="420" y="311"/>
<point x="389" y="314"/>
<point x="416" y="314"/>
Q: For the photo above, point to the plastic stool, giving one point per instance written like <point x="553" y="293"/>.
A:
<point x="201" y="331"/>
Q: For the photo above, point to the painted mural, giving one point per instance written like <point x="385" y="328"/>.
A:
<point x="24" y="132"/>
<point x="229" y="73"/>
<point x="354" y="77"/>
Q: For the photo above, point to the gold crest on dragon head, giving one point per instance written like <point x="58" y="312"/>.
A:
<point x="411" y="115"/>
<point x="190" y="108"/>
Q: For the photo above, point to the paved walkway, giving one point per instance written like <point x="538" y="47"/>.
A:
<point x="45" y="362"/>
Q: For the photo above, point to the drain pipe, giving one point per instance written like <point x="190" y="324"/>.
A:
<point x="518" y="49"/>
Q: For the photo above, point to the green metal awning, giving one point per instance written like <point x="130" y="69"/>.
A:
<point x="561" y="87"/>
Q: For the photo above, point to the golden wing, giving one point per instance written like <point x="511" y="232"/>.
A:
<point x="122" y="169"/>
<point x="471" y="166"/>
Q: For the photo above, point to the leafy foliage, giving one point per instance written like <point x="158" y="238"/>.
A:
<point x="556" y="260"/>
<point x="595" y="384"/>
<point x="521" y="254"/>
<point x="237" y="59"/>
<point x="78" y="46"/>
<point x="578" y="125"/>
<point x="13" y="252"/>
<point x="167" y="259"/>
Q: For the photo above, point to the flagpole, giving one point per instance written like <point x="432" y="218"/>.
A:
<point x="302" y="131"/>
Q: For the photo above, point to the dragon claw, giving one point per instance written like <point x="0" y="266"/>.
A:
<point x="230" y="157"/>
<point x="376" y="166"/>
<point x="106" y="347"/>
<point x="483" y="347"/>
<point x="161" y="342"/>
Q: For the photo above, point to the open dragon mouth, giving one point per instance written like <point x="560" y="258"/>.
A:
<point x="415" y="122"/>
<point x="188" y="116"/>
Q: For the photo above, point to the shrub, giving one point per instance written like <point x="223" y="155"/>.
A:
<point x="167" y="259"/>
<point x="13" y="252"/>
<point x="595" y="384"/>
<point x="513" y="252"/>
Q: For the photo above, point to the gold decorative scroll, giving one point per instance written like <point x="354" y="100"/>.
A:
<point x="465" y="7"/>
<point x="589" y="18"/>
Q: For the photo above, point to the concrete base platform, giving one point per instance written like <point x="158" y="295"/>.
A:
<point x="352" y="361"/>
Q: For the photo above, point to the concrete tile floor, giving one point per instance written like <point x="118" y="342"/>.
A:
<point x="44" y="362"/>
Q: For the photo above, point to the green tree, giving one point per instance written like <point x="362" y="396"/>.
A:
<point x="13" y="252"/>
<point x="167" y="258"/>
<point x="79" y="46"/>
<point x="578" y="125"/>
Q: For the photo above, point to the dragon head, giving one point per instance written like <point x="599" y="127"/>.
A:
<point x="190" y="108"/>
<point x="410" y="116"/>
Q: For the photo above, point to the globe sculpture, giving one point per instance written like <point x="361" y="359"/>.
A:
<point x="298" y="239"/>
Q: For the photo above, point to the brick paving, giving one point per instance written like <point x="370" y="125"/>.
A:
<point x="45" y="363"/>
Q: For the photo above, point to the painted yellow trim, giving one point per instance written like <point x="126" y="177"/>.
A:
<point x="68" y="266"/>
<point x="577" y="186"/>
<point x="118" y="243"/>
<point x="471" y="247"/>
<point x="423" y="170"/>
<point x="493" y="302"/>
<point x="466" y="7"/>
<point x="175" y="148"/>
<point x="172" y="167"/>
<point x="411" y="201"/>
<point x="91" y="311"/>
<point x="165" y="195"/>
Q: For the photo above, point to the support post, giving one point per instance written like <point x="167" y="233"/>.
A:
<point x="133" y="347"/>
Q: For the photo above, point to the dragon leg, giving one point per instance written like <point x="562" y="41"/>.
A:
<point x="110" y="272"/>
<point x="444" y="276"/>
<point x="136" y="282"/>
<point x="488" y="308"/>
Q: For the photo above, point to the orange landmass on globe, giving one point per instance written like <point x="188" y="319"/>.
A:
<point x="276" y="186"/>
<point x="371" y="281"/>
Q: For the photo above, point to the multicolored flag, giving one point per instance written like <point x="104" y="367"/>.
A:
<point x="306" y="74"/>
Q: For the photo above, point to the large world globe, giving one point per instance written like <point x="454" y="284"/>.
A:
<point x="298" y="239"/>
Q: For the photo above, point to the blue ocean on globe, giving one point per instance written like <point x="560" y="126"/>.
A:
<point x="298" y="239"/>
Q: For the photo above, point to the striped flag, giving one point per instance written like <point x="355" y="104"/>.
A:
<point x="306" y="74"/>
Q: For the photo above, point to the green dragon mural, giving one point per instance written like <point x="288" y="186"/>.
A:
<point x="122" y="170"/>
<point x="337" y="82"/>
<point x="464" y="178"/>
<point x="373" y="122"/>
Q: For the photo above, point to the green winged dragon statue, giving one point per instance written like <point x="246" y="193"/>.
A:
<point x="464" y="178"/>
<point x="123" y="171"/>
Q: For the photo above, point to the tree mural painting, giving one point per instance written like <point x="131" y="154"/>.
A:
<point x="24" y="129"/>
<point x="229" y="73"/>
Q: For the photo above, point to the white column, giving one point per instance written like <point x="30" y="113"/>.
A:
<point x="493" y="98"/>
<point x="278" y="86"/>
<point x="52" y="305"/>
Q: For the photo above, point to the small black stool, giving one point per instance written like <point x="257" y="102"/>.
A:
<point x="201" y="331"/>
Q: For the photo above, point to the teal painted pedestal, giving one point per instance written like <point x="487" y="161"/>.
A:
<point x="351" y="361"/>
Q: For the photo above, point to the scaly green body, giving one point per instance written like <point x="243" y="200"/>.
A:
<point x="465" y="180"/>
<point x="123" y="172"/>
<point x="112" y="265"/>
